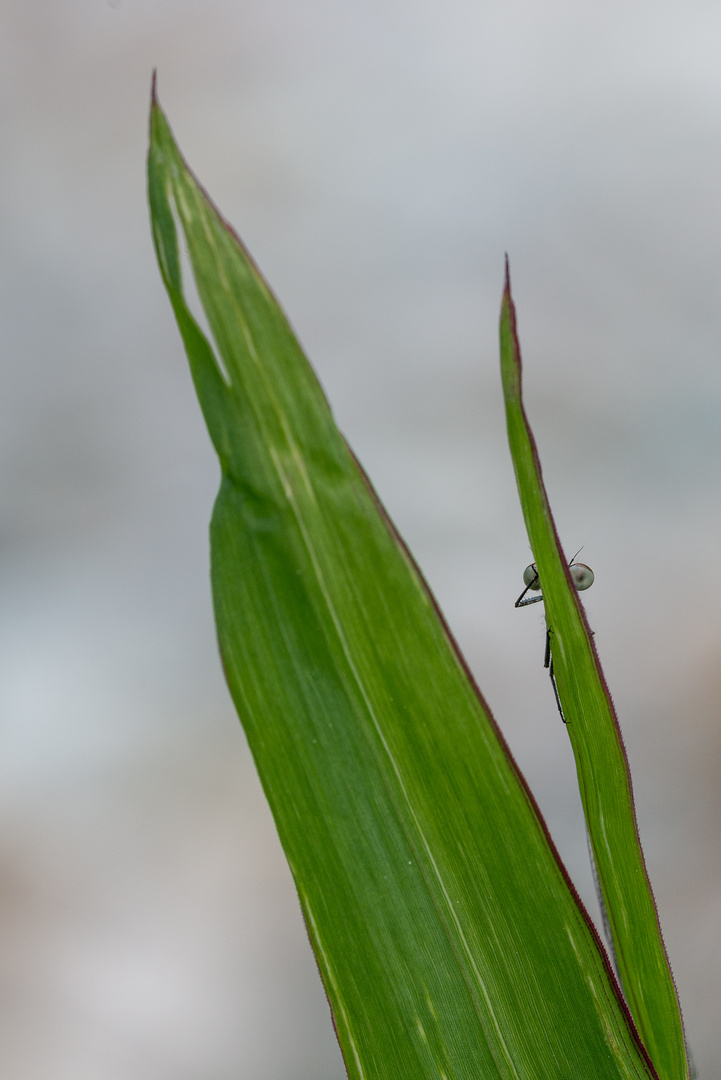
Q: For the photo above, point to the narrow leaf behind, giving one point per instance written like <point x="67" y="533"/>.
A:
<point x="446" y="933"/>
<point x="603" y="774"/>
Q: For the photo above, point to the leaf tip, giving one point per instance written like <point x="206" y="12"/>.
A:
<point x="510" y="347"/>
<point x="154" y="89"/>
<point x="507" y="304"/>
<point x="507" y="296"/>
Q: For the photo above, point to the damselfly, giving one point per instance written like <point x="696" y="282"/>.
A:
<point x="582" y="577"/>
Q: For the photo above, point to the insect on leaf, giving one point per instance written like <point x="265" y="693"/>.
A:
<point x="603" y="774"/>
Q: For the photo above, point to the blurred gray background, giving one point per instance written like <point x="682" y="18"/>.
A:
<point x="378" y="158"/>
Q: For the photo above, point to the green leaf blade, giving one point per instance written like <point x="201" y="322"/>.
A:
<point x="447" y="935"/>
<point x="603" y="774"/>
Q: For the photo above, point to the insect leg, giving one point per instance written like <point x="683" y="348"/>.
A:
<point x="548" y="663"/>
<point x="520" y="602"/>
<point x="532" y="584"/>
<point x="553" y="683"/>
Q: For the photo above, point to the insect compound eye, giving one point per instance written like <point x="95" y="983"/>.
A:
<point x="582" y="576"/>
<point x="530" y="578"/>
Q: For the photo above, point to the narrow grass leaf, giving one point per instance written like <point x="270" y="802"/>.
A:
<point x="449" y="940"/>
<point x="603" y="774"/>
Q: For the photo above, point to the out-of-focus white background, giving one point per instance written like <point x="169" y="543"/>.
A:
<point x="378" y="158"/>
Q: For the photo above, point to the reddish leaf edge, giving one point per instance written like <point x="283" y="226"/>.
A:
<point x="507" y="300"/>
<point x="403" y="547"/>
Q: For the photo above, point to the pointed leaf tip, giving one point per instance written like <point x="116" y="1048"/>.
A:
<point x="592" y="726"/>
<point x="507" y="300"/>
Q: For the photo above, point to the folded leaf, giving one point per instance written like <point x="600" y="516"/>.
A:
<point x="448" y="937"/>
